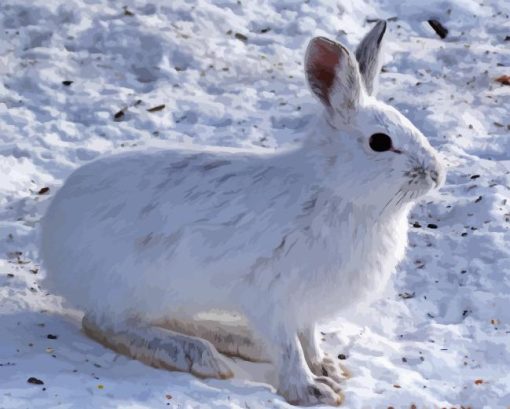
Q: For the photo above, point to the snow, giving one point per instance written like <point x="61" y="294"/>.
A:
<point x="444" y="342"/>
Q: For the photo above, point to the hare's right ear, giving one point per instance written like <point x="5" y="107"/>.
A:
<point x="333" y="76"/>
<point x="368" y="55"/>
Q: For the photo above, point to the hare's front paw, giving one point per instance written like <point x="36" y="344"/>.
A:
<point x="313" y="391"/>
<point x="330" y="368"/>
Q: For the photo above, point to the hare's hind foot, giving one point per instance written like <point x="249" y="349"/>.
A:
<point x="231" y="337"/>
<point x="160" y="348"/>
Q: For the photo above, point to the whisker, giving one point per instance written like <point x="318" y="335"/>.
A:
<point x="401" y="198"/>
<point x="389" y="201"/>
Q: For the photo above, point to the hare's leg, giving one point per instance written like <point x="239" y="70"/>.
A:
<point x="160" y="348"/>
<point x="296" y="381"/>
<point x="320" y="363"/>
<point x="229" y="339"/>
<point x="314" y="355"/>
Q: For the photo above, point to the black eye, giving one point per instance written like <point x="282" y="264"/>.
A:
<point x="380" y="142"/>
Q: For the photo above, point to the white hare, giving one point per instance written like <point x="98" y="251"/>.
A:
<point x="144" y="239"/>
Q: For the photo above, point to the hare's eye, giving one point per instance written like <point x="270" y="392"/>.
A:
<point x="380" y="142"/>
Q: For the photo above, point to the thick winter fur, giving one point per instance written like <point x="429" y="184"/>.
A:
<point x="287" y="239"/>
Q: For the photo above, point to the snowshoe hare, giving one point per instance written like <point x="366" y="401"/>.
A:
<point x="287" y="240"/>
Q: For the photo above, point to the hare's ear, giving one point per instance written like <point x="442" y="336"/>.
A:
<point x="333" y="75"/>
<point x="368" y="55"/>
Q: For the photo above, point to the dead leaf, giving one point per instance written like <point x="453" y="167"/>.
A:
<point x="119" y="115"/>
<point x="440" y="30"/>
<point x="157" y="108"/>
<point x="127" y="12"/>
<point x="406" y="295"/>
<point x="504" y="79"/>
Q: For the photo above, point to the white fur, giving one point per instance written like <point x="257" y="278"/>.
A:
<point x="287" y="239"/>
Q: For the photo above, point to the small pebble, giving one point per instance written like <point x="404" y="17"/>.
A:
<point x="240" y="36"/>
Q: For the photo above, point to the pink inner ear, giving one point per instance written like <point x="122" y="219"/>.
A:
<point x="322" y="58"/>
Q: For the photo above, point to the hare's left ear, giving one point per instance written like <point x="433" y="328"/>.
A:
<point x="368" y="55"/>
<point x="333" y="76"/>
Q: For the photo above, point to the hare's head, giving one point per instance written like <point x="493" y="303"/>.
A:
<point x="386" y="161"/>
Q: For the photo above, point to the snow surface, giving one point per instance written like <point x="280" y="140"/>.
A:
<point x="443" y="342"/>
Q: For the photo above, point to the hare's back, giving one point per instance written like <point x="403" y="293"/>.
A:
<point x="169" y="211"/>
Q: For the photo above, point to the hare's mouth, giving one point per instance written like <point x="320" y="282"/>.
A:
<point x="414" y="187"/>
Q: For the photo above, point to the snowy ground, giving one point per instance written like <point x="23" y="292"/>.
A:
<point x="231" y="74"/>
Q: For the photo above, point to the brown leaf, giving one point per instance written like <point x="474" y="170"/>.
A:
<point x="504" y="79"/>
<point x="43" y="191"/>
<point x="479" y="381"/>
<point x="157" y="108"/>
